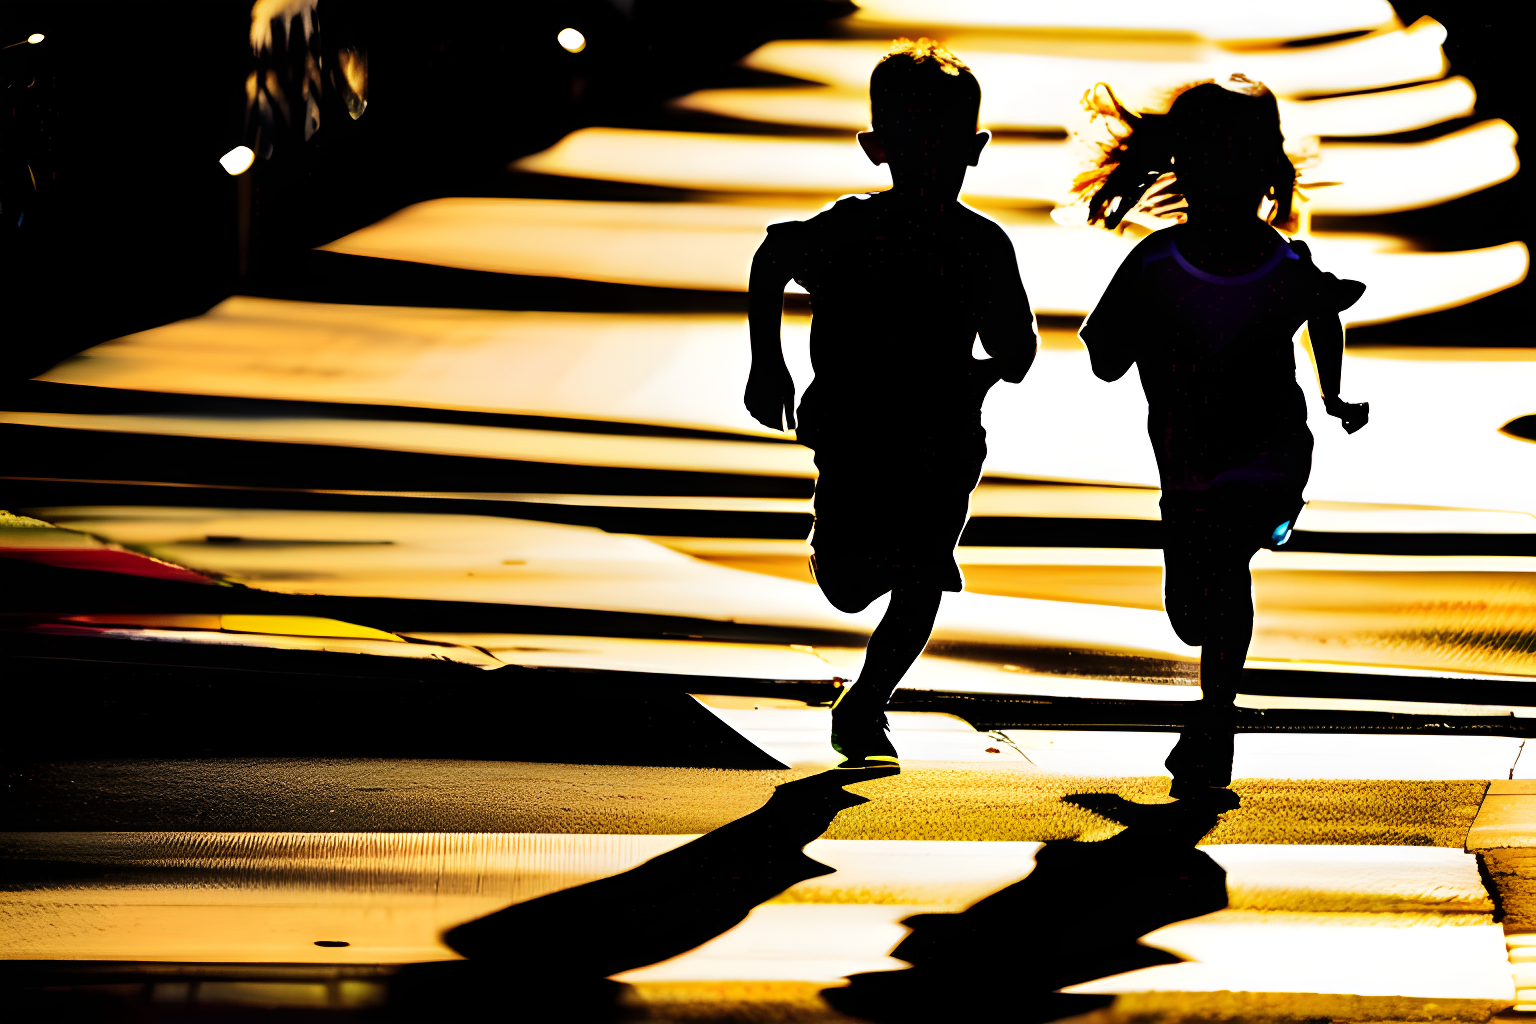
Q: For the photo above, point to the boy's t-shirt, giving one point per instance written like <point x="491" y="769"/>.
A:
<point x="1215" y="357"/>
<point x="899" y="294"/>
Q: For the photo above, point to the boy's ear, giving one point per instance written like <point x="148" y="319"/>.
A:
<point x="873" y="147"/>
<point x="975" y="145"/>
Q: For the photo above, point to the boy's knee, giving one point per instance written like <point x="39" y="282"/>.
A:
<point x="847" y="601"/>
<point x="844" y="591"/>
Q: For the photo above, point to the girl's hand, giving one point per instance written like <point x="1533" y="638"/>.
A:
<point x="1354" y="415"/>
<point x="770" y="397"/>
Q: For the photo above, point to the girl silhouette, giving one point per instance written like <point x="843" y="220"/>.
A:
<point x="1207" y="309"/>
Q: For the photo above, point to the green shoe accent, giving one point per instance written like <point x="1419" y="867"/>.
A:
<point x="870" y="761"/>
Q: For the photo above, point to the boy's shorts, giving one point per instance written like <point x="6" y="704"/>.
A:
<point x="1209" y="537"/>
<point x="891" y="517"/>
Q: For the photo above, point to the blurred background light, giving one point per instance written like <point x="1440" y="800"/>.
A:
<point x="572" y="40"/>
<point x="353" y="65"/>
<point x="238" y="160"/>
<point x="35" y="38"/>
<point x="1300" y="20"/>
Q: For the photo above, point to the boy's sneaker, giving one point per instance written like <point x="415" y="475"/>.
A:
<point x="862" y="739"/>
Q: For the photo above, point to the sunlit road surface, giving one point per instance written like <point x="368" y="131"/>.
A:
<point x="540" y="502"/>
<point x="1373" y="872"/>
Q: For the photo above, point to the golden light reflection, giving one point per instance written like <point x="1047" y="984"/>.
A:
<point x="631" y="368"/>
<point x="661" y="368"/>
<point x="279" y="625"/>
<point x="669" y="245"/>
<point x="230" y="926"/>
<point x="1376" y="178"/>
<point x="388" y="895"/>
<point x="1049" y="84"/>
<point x="1238" y="952"/>
<point x="1441" y="613"/>
<point x="1211" y="21"/>
<point x="709" y="246"/>
<point x="554" y="446"/>
<point x="699" y="160"/>
<point x="717" y="659"/>
<point x="1462" y="614"/>
<point x="1374" y="113"/>
<point x="510" y="561"/>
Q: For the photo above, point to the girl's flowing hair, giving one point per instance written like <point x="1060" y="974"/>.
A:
<point x="1228" y="131"/>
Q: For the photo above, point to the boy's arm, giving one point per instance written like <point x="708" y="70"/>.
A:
<point x="1007" y="325"/>
<point x="1327" y="335"/>
<point x="770" y="396"/>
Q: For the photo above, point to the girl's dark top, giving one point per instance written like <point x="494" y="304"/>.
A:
<point x="1215" y="359"/>
<point x="899" y="295"/>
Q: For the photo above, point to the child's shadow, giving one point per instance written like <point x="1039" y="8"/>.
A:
<point x="552" y="955"/>
<point x="1075" y="918"/>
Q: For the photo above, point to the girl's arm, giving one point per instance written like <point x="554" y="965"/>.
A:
<point x="770" y="396"/>
<point x="1327" y="335"/>
<point x="1112" y="327"/>
<point x="1109" y="354"/>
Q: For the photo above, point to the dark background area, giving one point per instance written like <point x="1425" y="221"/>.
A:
<point x="121" y="114"/>
<point x="116" y="216"/>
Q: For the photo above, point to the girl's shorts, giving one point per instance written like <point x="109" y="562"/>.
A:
<point x="1209" y="537"/>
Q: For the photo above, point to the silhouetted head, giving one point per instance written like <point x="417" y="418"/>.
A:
<point x="1220" y="141"/>
<point x="924" y="104"/>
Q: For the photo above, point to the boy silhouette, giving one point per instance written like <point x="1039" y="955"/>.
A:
<point x="902" y="282"/>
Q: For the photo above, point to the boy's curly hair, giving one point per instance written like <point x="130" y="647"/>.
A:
<point x="926" y="49"/>
<point x="1229" y="130"/>
<point x="921" y="88"/>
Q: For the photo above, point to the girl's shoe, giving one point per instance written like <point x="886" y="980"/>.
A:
<point x="1202" y="758"/>
<point x="863" y="740"/>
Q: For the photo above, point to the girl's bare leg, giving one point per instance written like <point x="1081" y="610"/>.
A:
<point x="1228" y="636"/>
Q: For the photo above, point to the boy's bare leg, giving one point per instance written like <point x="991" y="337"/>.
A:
<point x="858" y="717"/>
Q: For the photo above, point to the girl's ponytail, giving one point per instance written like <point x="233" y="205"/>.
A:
<point x="1138" y="166"/>
<point x="1137" y="157"/>
<point x="1282" y="185"/>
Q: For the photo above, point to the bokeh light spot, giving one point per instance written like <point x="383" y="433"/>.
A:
<point x="238" y="160"/>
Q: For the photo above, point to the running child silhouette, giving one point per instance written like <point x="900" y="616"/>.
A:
<point x="901" y="283"/>
<point x="1207" y="309"/>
